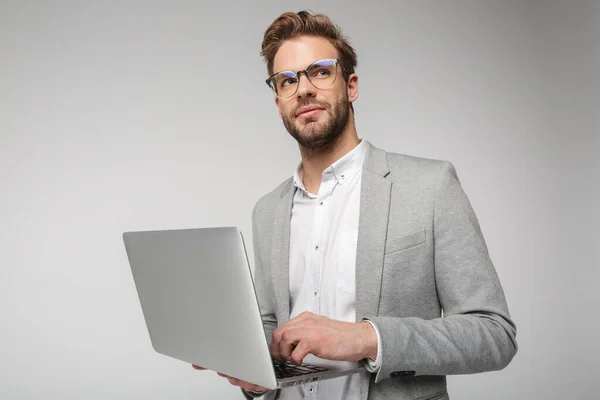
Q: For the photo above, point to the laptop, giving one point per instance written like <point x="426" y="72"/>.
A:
<point x="197" y="296"/>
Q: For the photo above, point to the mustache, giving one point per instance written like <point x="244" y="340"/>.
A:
<point x="323" y="105"/>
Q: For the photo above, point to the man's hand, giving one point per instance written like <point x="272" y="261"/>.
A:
<point x="325" y="338"/>
<point x="250" y="387"/>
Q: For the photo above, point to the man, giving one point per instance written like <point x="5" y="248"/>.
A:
<point x="359" y="253"/>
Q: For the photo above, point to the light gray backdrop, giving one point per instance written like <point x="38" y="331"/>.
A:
<point x="152" y="115"/>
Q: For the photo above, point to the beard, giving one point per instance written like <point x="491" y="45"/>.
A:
<point x="317" y="137"/>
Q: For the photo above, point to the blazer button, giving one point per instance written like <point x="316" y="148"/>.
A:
<point x="398" y="374"/>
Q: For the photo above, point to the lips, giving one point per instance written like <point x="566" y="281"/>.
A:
<point x="308" y="111"/>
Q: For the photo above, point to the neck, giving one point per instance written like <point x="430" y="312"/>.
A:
<point x="315" y="162"/>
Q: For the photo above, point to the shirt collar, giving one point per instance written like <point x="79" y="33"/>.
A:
<point x="299" y="178"/>
<point x="341" y="170"/>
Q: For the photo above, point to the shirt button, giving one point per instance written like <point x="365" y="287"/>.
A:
<point x="321" y="203"/>
<point x="312" y="389"/>
<point x="316" y="294"/>
<point x="317" y="247"/>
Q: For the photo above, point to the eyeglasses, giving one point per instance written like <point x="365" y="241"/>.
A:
<point x="321" y="74"/>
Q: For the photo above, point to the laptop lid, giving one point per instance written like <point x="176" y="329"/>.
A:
<point x="197" y="296"/>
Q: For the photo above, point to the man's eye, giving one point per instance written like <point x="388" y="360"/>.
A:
<point x="287" y="82"/>
<point x="320" y="73"/>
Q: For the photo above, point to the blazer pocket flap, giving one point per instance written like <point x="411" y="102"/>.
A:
<point x="406" y="242"/>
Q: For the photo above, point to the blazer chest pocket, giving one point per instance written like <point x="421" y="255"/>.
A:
<point x="414" y="239"/>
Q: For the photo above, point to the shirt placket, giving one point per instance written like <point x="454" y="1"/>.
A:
<point x="320" y="219"/>
<point x="318" y="249"/>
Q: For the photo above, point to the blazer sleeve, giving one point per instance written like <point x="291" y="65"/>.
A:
<point x="262" y="285"/>
<point x="476" y="333"/>
<point x="262" y="276"/>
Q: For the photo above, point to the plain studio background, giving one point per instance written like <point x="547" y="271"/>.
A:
<point x="131" y="115"/>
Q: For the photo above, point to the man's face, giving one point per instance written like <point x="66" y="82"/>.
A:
<point x="314" y="129"/>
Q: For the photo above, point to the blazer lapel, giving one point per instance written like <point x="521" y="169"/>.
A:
<point x="280" y="253"/>
<point x="372" y="232"/>
<point x="375" y="196"/>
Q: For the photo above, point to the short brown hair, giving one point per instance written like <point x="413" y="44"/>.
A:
<point x="290" y="25"/>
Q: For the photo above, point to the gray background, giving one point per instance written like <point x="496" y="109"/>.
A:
<point x="152" y="115"/>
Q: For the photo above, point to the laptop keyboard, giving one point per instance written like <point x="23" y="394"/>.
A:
<point x="289" y="369"/>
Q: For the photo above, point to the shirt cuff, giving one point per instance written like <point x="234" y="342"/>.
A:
<point x="371" y="365"/>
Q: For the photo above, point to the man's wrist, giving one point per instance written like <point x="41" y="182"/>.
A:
<point x="370" y="341"/>
<point x="253" y="393"/>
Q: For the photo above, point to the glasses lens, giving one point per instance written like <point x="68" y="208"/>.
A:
<point x="285" y="83"/>
<point x="322" y="74"/>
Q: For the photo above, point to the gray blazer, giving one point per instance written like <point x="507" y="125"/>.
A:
<point x="420" y="252"/>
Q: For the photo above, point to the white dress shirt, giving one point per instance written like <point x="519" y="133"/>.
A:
<point x="322" y="263"/>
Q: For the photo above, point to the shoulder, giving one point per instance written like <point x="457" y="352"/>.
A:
<point x="418" y="165"/>
<point x="405" y="167"/>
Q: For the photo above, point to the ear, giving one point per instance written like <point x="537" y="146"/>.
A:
<point x="352" y="88"/>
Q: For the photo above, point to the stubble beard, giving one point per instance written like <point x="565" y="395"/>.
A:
<point x="316" y="138"/>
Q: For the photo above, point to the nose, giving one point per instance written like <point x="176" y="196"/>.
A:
<point x="305" y="88"/>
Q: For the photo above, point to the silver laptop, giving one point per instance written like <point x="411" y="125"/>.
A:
<point x="197" y="296"/>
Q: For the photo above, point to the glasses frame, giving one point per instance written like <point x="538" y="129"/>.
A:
<point x="269" y="80"/>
